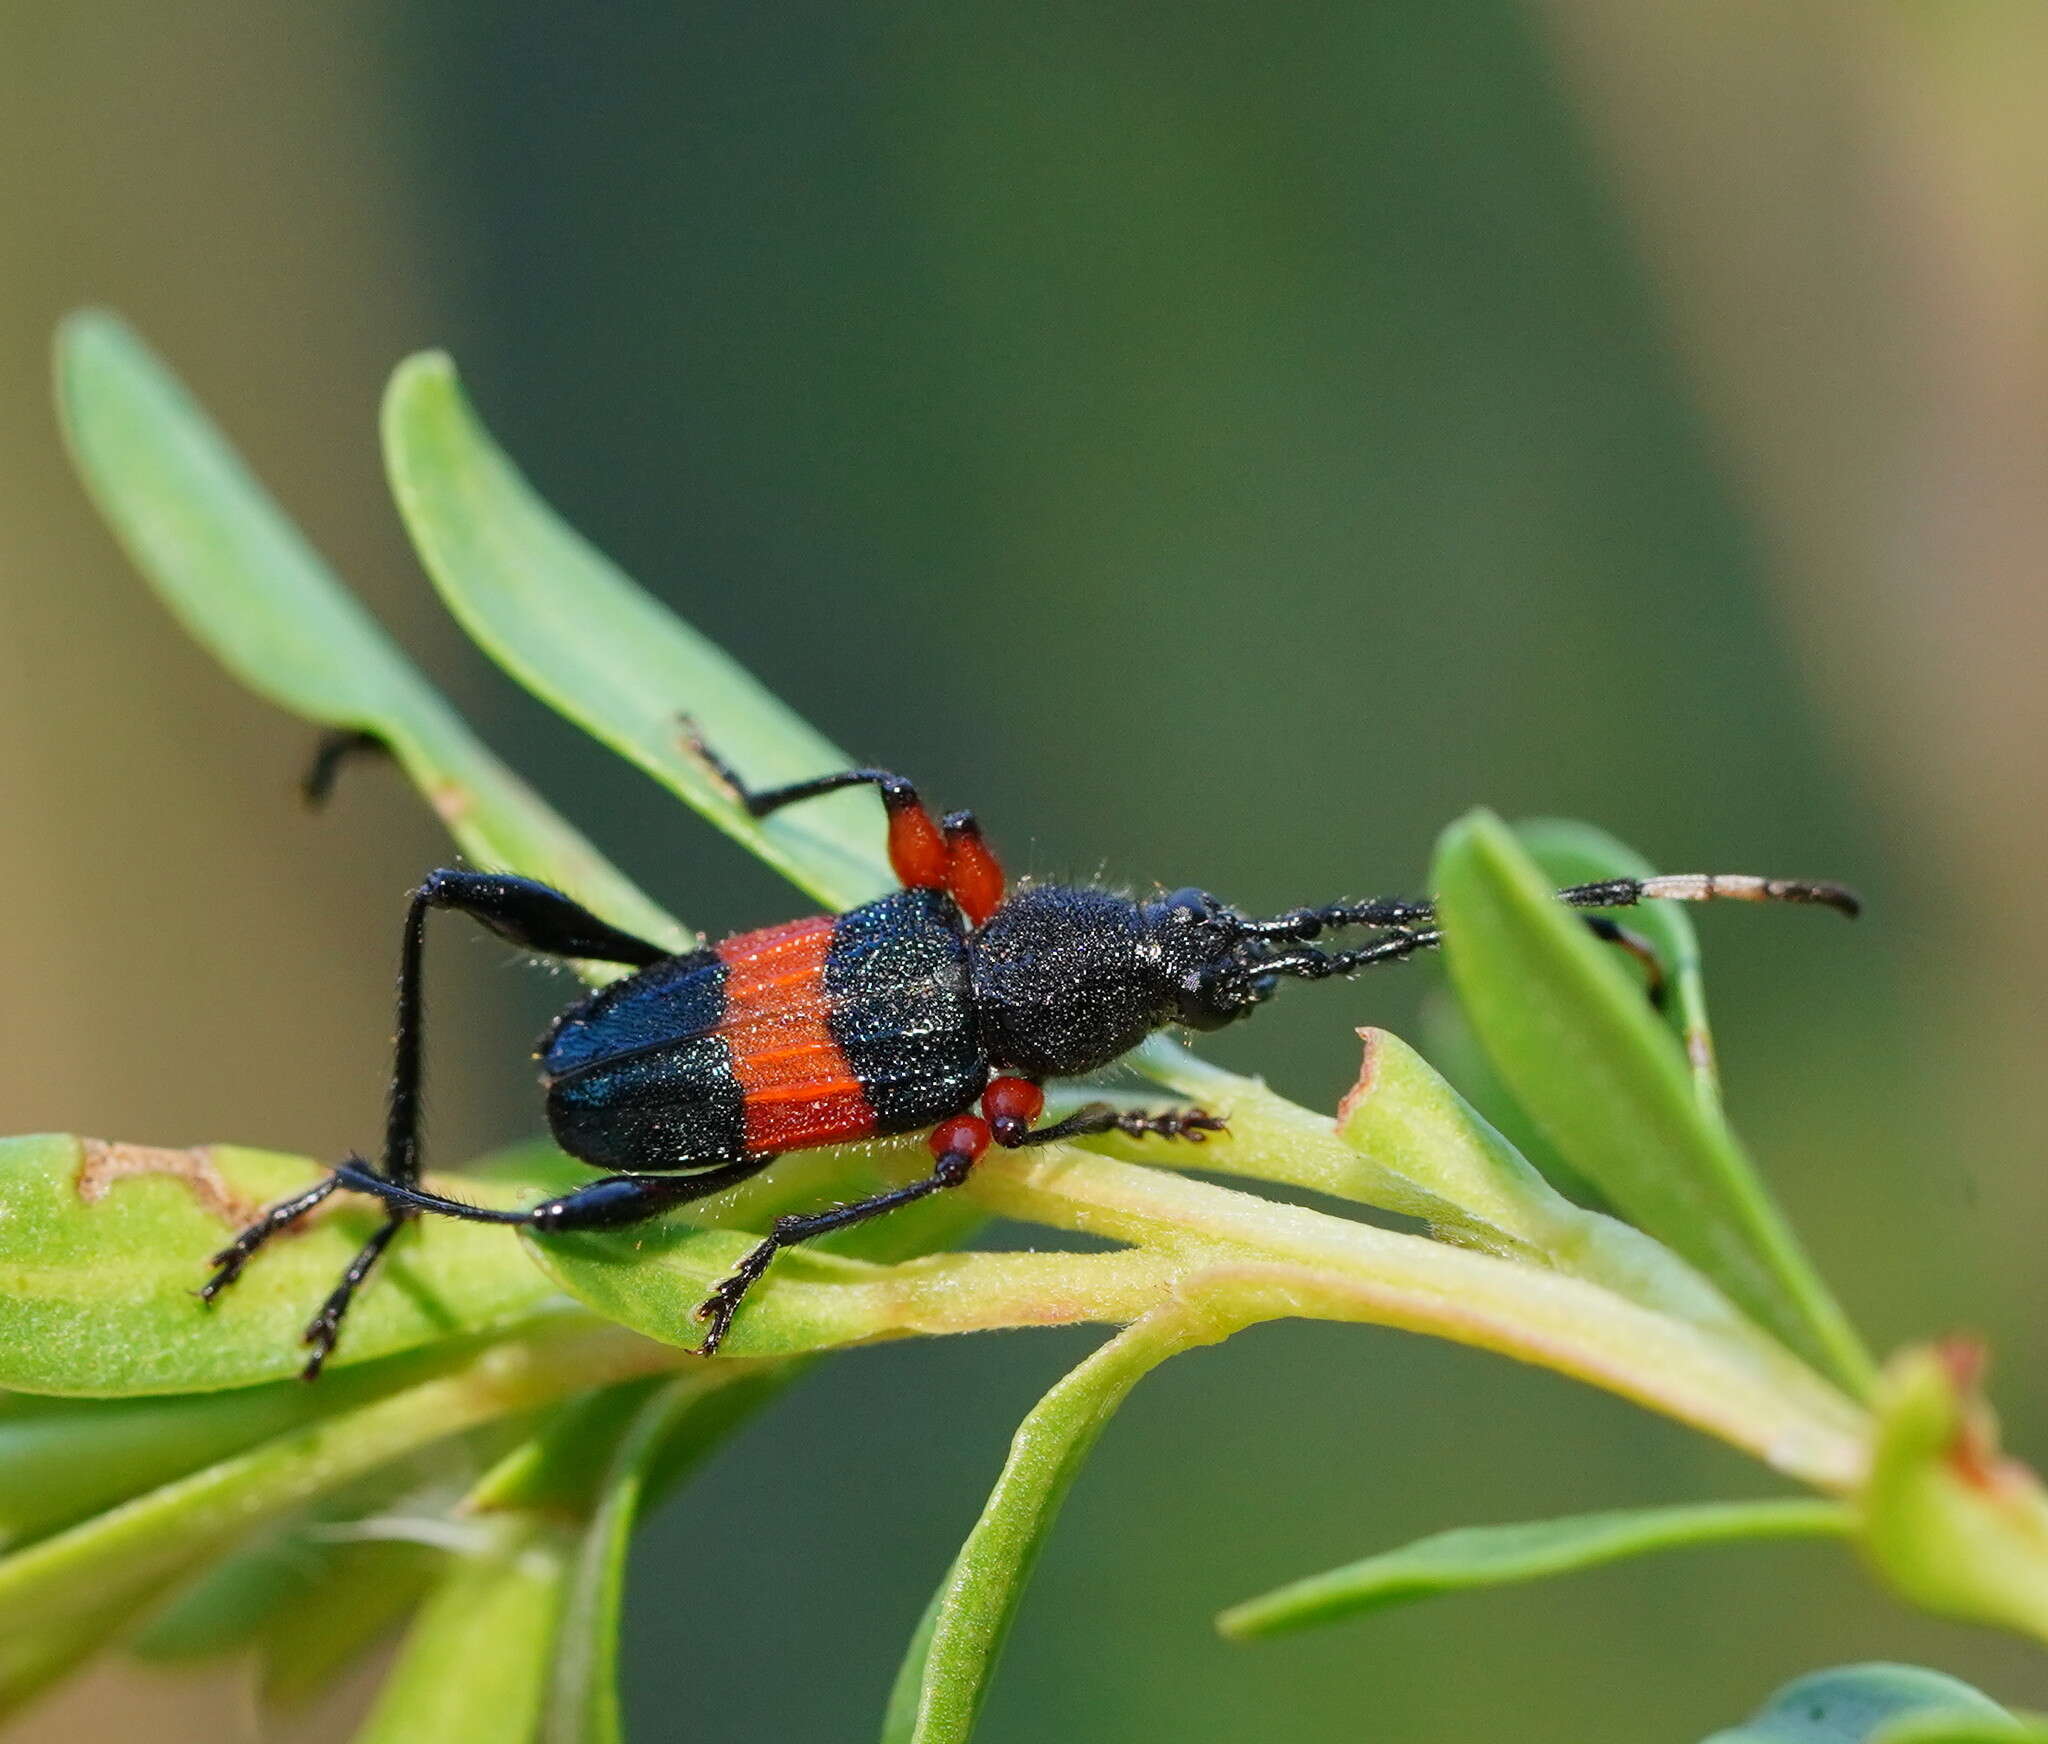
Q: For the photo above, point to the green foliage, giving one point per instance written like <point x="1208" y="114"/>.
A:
<point x="250" y="588"/>
<point x="1493" y="1556"/>
<point x="176" y="1491"/>
<point x="1583" y="1052"/>
<point x="97" y="1256"/>
<point x="560" y="618"/>
<point x="1877" y="1704"/>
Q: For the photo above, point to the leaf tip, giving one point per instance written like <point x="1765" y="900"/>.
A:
<point x="425" y="374"/>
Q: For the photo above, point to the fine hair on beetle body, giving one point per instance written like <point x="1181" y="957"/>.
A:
<point x="944" y="1007"/>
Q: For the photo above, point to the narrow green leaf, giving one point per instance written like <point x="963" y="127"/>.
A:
<point x="61" y="1466"/>
<point x="673" y="1428"/>
<point x="1862" y="1704"/>
<point x="586" y="1476"/>
<point x="945" y="1676"/>
<point x="131" y="1550"/>
<point x="1579" y="1046"/>
<point x="103" y="1246"/>
<point x="565" y="622"/>
<point x="1494" y="1556"/>
<point x="1442" y="1162"/>
<point x="1571" y="852"/>
<point x="231" y="1607"/>
<point x="474" y="1666"/>
<point x="1450" y="1045"/>
<point x="245" y="582"/>
<point x="1960" y="1728"/>
<point x="33" y="1658"/>
<point x="364" y="1589"/>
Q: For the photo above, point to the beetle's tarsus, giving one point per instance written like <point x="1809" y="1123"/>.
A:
<point x="334" y="749"/>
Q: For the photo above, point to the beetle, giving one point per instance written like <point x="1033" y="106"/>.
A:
<point x="945" y="1006"/>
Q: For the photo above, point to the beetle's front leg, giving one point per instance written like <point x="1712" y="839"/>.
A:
<point x="1012" y="1104"/>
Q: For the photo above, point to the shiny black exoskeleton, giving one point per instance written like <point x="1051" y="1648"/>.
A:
<point x="699" y="1069"/>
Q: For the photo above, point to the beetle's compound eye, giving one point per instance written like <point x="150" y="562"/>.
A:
<point x="1208" y="998"/>
<point x="1189" y="906"/>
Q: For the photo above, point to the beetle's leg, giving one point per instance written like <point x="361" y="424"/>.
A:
<point x="974" y="877"/>
<point x="333" y="750"/>
<point x="228" y="1263"/>
<point x="610" y="1202"/>
<point x="1712" y="887"/>
<point x="1638" y="947"/>
<point x="923" y="855"/>
<point x="957" y="1145"/>
<point x="527" y="913"/>
<point x="1193" y="1124"/>
<point x="520" y="910"/>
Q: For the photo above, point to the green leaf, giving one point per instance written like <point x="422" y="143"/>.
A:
<point x="1571" y="852"/>
<point x="64" y="1465"/>
<point x="234" y="1604"/>
<point x="945" y="1675"/>
<point x="1860" y="1704"/>
<point x="362" y="1590"/>
<point x="243" y="580"/>
<point x="675" y="1428"/>
<point x="565" y="622"/>
<point x="1494" y="1556"/>
<point x="1952" y="1727"/>
<point x="586" y="1476"/>
<point x="474" y="1666"/>
<point x="1440" y="1161"/>
<point x="130" y="1551"/>
<point x="1950" y="1520"/>
<point x="1581" y="1049"/>
<point x="1450" y="1045"/>
<point x="102" y="1247"/>
<point x="33" y="1658"/>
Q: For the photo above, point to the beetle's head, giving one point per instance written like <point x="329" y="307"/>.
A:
<point x="1202" y="958"/>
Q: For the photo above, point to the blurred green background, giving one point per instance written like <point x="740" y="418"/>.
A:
<point x="1220" y="443"/>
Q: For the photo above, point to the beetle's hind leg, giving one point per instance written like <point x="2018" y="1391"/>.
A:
<point x="951" y="856"/>
<point x="325" y="1326"/>
<point x="228" y="1263"/>
<point x="333" y="751"/>
<point x="528" y="914"/>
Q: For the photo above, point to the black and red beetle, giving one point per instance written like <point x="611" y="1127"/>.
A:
<point x="698" y="1070"/>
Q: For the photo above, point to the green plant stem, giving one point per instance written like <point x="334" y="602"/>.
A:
<point x="946" y="1676"/>
<point x="1294" y="1261"/>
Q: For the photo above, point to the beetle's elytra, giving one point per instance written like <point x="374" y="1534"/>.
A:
<point x="945" y="1006"/>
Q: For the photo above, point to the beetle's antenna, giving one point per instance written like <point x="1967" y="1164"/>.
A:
<point x="1308" y="964"/>
<point x="1712" y="887"/>
<point x="1410" y="912"/>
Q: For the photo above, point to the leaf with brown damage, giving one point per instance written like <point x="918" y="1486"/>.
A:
<point x="103" y="1162"/>
<point x="103" y="1246"/>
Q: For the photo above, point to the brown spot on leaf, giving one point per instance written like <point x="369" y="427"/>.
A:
<point x="450" y="799"/>
<point x="104" y="1163"/>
